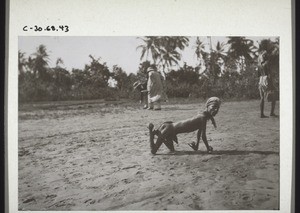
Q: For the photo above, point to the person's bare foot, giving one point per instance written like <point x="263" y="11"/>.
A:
<point x="193" y="146"/>
<point x="209" y="150"/>
<point x="263" y="116"/>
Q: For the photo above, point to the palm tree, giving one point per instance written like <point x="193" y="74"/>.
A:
<point x="201" y="55"/>
<point x="242" y="50"/>
<point x="21" y="62"/>
<point x="272" y="52"/>
<point x="59" y="62"/>
<point x="271" y="47"/>
<point x="169" y="50"/>
<point x="220" y="56"/>
<point x="200" y="48"/>
<point x="40" y="62"/>
<point x="220" y="50"/>
<point x="169" y="58"/>
<point x="164" y="50"/>
<point x="240" y="46"/>
<point x="151" y="47"/>
<point x="171" y="43"/>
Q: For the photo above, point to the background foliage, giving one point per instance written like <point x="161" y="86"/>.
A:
<point x="229" y="74"/>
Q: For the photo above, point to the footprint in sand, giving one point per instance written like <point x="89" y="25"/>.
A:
<point x="139" y="172"/>
<point x="51" y="196"/>
<point x="90" y="201"/>
<point x="29" y="200"/>
<point x="126" y="181"/>
<point x="247" y="198"/>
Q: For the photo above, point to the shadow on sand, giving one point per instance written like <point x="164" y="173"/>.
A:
<point x="175" y="108"/>
<point x="222" y="152"/>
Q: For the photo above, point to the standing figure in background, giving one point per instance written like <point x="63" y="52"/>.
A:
<point x="155" y="88"/>
<point x="265" y="85"/>
<point x="142" y="88"/>
<point x="163" y="77"/>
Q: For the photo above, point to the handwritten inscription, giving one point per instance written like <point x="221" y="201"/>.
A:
<point x="36" y="28"/>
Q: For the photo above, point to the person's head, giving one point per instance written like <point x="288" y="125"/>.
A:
<point x="213" y="105"/>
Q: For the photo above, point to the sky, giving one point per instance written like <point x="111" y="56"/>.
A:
<point x="114" y="50"/>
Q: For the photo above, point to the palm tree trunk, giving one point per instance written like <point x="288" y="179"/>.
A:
<point x="212" y="61"/>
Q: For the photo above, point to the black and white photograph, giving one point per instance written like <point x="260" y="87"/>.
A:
<point x="123" y="119"/>
<point x="148" y="123"/>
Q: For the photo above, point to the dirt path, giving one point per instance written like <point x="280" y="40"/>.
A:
<point x="97" y="157"/>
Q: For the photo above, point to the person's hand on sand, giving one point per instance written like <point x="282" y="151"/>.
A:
<point x="172" y="152"/>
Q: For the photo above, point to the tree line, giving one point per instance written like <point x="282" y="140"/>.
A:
<point x="226" y="70"/>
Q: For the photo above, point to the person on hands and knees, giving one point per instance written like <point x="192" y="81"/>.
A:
<point x="167" y="132"/>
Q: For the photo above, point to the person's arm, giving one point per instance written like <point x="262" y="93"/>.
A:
<point x="209" y="148"/>
<point x="213" y="121"/>
<point x="193" y="145"/>
<point x="198" y="138"/>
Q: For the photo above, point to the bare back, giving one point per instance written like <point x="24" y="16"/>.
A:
<point x="191" y="125"/>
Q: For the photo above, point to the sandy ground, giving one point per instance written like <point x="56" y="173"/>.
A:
<point x="96" y="156"/>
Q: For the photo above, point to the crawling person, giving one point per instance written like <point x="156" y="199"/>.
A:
<point x="167" y="132"/>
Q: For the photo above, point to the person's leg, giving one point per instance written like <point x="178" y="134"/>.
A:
<point x="154" y="146"/>
<point x="262" y="105"/>
<point x="145" y="100"/>
<point x="158" y="105"/>
<point x="151" y="134"/>
<point x="262" y="102"/>
<point x="169" y="143"/>
<point x="150" y="103"/>
<point x="141" y="97"/>
<point x="273" y="103"/>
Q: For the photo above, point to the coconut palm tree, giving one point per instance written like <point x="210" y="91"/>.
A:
<point x="171" y="43"/>
<point x="59" y="62"/>
<point x="240" y="46"/>
<point x="202" y="55"/>
<point x="21" y="62"/>
<point x="220" y="50"/>
<point x="164" y="50"/>
<point x="272" y="53"/>
<point x="169" y="50"/>
<point x="242" y="50"/>
<point x="168" y="58"/>
<point x="150" y="47"/>
<point x="271" y="47"/>
<point x="220" y="56"/>
<point x="200" y="48"/>
<point x="40" y="62"/>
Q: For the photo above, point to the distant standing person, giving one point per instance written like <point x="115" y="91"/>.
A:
<point x="163" y="77"/>
<point x="265" y="85"/>
<point x="155" y="88"/>
<point x="163" y="80"/>
<point x="142" y="88"/>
